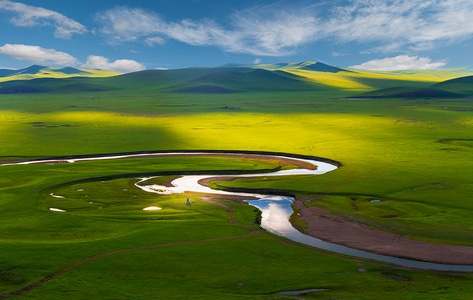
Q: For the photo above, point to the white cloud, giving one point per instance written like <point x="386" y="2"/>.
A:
<point x="337" y="54"/>
<point x="260" y="31"/>
<point x="203" y="33"/>
<point x="277" y="30"/>
<point x="119" y="65"/>
<point x="38" y="55"/>
<point x="33" y="16"/>
<point x="122" y="24"/>
<point x="401" y="62"/>
<point x="272" y="32"/>
<point x="257" y="61"/>
<point x="401" y="24"/>
<point x="151" y="41"/>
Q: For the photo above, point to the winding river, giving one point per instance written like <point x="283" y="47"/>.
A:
<point x="276" y="210"/>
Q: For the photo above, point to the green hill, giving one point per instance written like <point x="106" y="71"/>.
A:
<point x="204" y="80"/>
<point x="462" y="84"/>
<point x="246" y="79"/>
<point x="191" y="80"/>
<point x="411" y="93"/>
<point x="54" y="85"/>
<point x="453" y="88"/>
<point x="306" y="76"/>
<point x="317" y="66"/>
<point x="34" y="69"/>
<point x="308" y="66"/>
<point x="37" y="71"/>
<point x="70" y="70"/>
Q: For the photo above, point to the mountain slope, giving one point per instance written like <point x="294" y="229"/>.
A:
<point x="462" y="84"/>
<point x="454" y="88"/>
<point x="412" y="93"/>
<point x="54" y="85"/>
<point x="212" y="80"/>
<point x="247" y="79"/>
<point x="309" y="66"/>
<point x="365" y="80"/>
<point x="191" y="80"/>
<point x="307" y="76"/>
<point x="36" y="71"/>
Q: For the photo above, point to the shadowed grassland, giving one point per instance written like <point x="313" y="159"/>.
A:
<point x="415" y="155"/>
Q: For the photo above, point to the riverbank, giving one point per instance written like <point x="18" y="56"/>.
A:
<point x="335" y="229"/>
<point x="320" y="224"/>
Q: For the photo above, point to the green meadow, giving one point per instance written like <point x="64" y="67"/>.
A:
<point x="413" y="153"/>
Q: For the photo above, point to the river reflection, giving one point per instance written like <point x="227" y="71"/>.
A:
<point x="276" y="212"/>
<point x="274" y="217"/>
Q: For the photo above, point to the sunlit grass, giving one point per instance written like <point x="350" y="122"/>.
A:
<point x="197" y="131"/>
<point x="359" y="80"/>
<point x="53" y="73"/>
<point x="414" y="155"/>
<point x="333" y="79"/>
<point x="418" y="75"/>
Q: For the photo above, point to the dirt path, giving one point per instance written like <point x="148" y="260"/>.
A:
<point x="231" y="214"/>
<point x="101" y="255"/>
<point x="60" y="272"/>
<point x="321" y="225"/>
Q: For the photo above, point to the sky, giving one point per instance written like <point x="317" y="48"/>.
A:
<point x="128" y="36"/>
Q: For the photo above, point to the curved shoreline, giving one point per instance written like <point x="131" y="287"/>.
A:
<point x="336" y="233"/>
<point x="151" y="153"/>
<point x="333" y="229"/>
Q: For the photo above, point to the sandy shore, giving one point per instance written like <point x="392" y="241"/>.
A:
<point x="334" y="229"/>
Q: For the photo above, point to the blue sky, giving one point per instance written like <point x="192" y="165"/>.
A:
<point x="128" y="36"/>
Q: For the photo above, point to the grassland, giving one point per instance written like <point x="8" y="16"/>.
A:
<point x="414" y="154"/>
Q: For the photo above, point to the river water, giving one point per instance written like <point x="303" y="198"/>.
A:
<point x="276" y="210"/>
<point x="275" y="219"/>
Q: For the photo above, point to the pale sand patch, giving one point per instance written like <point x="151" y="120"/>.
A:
<point x="337" y="230"/>
<point x="152" y="208"/>
<point x="56" y="209"/>
<point x="56" y="196"/>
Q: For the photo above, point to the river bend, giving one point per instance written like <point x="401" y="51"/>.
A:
<point x="276" y="210"/>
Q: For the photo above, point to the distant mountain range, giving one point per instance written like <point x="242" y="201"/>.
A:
<point x="310" y="66"/>
<point x="283" y="77"/>
<point x="37" y="71"/>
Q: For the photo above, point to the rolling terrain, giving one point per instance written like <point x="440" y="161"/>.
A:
<point x="402" y="139"/>
<point x="37" y="71"/>
<point x="293" y="77"/>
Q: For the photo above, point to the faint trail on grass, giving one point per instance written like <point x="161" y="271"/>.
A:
<point x="110" y="253"/>
<point x="231" y="213"/>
